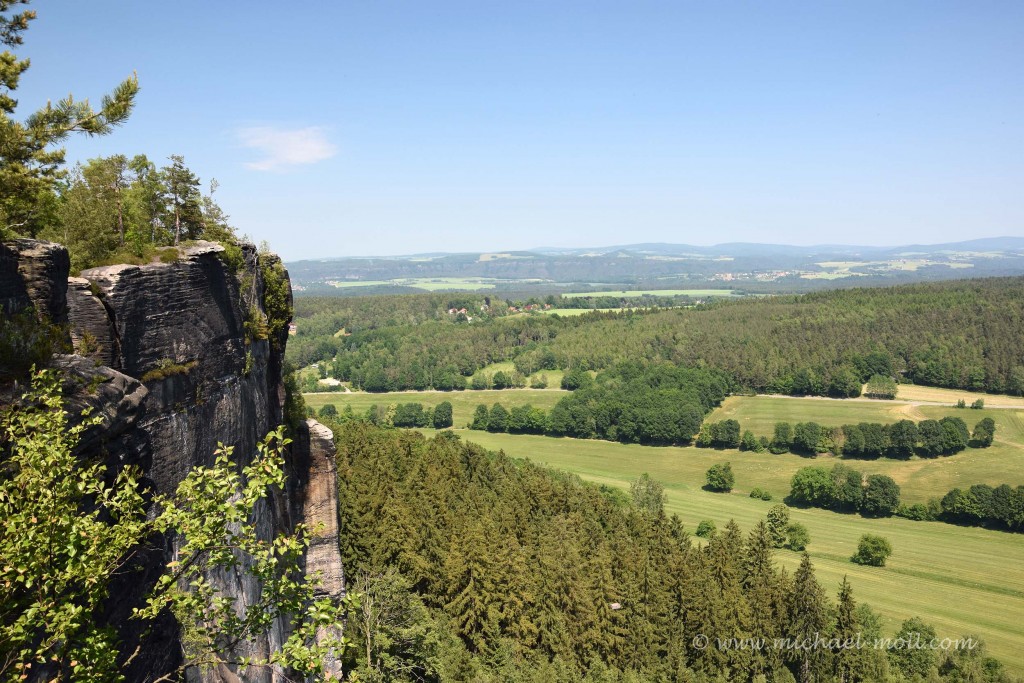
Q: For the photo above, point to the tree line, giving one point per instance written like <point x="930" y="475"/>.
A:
<point x="474" y="566"/>
<point x="115" y="209"/>
<point x="902" y="439"/>
<point x="632" y="403"/>
<point x="845" y="489"/>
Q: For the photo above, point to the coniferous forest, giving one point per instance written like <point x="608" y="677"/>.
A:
<point x="474" y="566"/>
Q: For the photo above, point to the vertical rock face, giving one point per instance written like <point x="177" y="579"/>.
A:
<point x="34" y="273"/>
<point x="316" y="504"/>
<point x="183" y="367"/>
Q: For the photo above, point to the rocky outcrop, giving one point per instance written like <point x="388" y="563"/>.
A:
<point x="34" y="273"/>
<point x="91" y="332"/>
<point x="316" y="500"/>
<point x="179" y="362"/>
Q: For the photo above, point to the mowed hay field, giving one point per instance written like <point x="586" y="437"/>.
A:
<point x="914" y="392"/>
<point x="962" y="580"/>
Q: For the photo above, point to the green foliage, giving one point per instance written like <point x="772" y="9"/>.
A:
<point x="497" y="418"/>
<point x="881" y="386"/>
<point x="576" y="378"/>
<point x="775" y="344"/>
<point x="26" y="342"/>
<point x="720" y="477"/>
<point x="978" y="404"/>
<point x="881" y="496"/>
<point x="294" y="404"/>
<point x="797" y="537"/>
<point x="531" y="570"/>
<point x="30" y="162"/>
<point x="442" y="417"/>
<point x="165" y="367"/>
<point x="328" y="411"/>
<point x="411" y="415"/>
<point x="812" y="486"/>
<point x="59" y="553"/>
<point x="1000" y="507"/>
<point x="778" y="523"/>
<point x="69" y="526"/>
<point x="277" y="300"/>
<point x="847" y="488"/>
<point x="647" y="494"/>
<point x="807" y="438"/>
<point x="706" y="528"/>
<point x="724" y="434"/>
<point x="912" y="657"/>
<point x="872" y="550"/>
<point x="984" y="433"/>
<point x="760" y="494"/>
<point x="480" y="418"/>
<point x="782" y="438"/>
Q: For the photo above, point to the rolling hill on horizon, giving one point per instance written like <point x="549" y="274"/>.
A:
<point x="739" y="265"/>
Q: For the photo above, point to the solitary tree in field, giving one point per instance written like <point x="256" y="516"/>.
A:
<point x="872" y="550"/>
<point x="720" y="477"/>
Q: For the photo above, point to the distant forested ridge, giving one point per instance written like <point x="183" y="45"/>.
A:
<point x="961" y="334"/>
<point x="473" y="566"/>
<point x="753" y="267"/>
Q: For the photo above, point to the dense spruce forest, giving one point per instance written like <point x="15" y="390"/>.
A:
<point x="473" y="566"/>
<point x="960" y="334"/>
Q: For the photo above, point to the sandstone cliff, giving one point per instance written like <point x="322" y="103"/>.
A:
<point x="179" y="361"/>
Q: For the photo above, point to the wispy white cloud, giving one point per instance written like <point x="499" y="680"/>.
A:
<point x="282" y="148"/>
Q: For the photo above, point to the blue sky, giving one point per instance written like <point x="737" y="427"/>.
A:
<point x="355" y="128"/>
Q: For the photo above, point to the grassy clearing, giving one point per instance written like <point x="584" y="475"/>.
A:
<point x="962" y="580"/>
<point x="463" y="402"/>
<point x="915" y="392"/>
<point x="657" y="292"/>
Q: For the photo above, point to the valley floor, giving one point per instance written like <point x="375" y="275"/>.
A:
<point x="963" y="580"/>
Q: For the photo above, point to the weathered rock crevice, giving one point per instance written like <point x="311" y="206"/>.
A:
<point x="173" y="372"/>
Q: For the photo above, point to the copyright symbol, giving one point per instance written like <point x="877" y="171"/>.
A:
<point x="700" y="641"/>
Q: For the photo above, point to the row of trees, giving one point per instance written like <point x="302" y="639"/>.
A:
<point x="999" y="507"/>
<point x="928" y="438"/>
<point x="473" y="566"/>
<point x="394" y="415"/>
<point x="844" y="489"/>
<point x="632" y="403"/>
